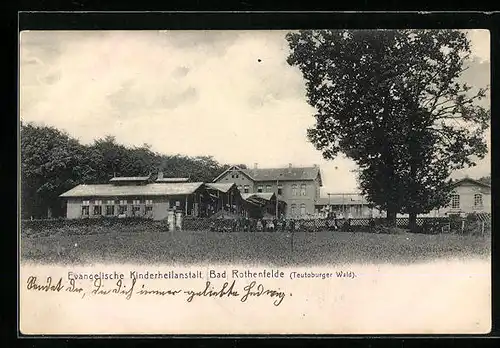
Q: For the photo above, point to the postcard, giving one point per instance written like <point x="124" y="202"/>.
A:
<point x="287" y="182"/>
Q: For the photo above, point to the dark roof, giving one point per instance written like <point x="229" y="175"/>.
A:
<point x="172" y="180"/>
<point x="157" y="189"/>
<point x="258" y="198"/>
<point x="223" y="187"/>
<point x="261" y="195"/>
<point x="273" y="174"/>
<point x="472" y="181"/>
<point x="268" y="174"/>
<point x="129" y="178"/>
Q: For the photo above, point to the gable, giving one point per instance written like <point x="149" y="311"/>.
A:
<point x="229" y="171"/>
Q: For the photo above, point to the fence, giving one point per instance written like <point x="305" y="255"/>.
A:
<point x="472" y="224"/>
<point x="428" y="225"/>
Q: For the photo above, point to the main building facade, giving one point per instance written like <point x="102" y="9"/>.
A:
<point x="297" y="187"/>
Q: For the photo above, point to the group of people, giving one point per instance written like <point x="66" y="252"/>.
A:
<point x="264" y="225"/>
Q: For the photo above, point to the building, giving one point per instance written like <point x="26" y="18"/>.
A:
<point x="297" y="188"/>
<point x="136" y="196"/>
<point x="345" y="205"/>
<point x="468" y="196"/>
<point x="225" y="198"/>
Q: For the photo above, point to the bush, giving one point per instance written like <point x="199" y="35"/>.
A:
<point x="384" y="229"/>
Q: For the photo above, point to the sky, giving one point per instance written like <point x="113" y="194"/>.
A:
<point x="228" y="94"/>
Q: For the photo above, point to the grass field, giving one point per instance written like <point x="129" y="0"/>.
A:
<point x="250" y="248"/>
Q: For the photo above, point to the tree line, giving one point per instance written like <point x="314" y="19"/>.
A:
<point x="53" y="162"/>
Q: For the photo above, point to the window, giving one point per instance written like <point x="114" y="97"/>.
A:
<point x="294" y="190"/>
<point x="232" y="176"/>
<point x="268" y="188"/>
<point x="237" y="176"/>
<point x="303" y="189"/>
<point x="240" y="188"/>
<point x="292" y="210"/>
<point x="110" y="210"/>
<point x="136" y="207"/>
<point x="280" y="189"/>
<point x="246" y="189"/>
<point x="478" y="200"/>
<point x="122" y="208"/>
<point x="85" y="208"/>
<point x="110" y="207"/>
<point x="259" y="189"/>
<point x="97" y="208"/>
<point x="302" y="209"/>
<point x="149" y="207"/>
<point x="455" y="201"/>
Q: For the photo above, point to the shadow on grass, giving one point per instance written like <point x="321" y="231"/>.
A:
<point x="262" y="248"/>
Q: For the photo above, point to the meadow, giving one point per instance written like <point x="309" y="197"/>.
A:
<point x="144" y="246"/>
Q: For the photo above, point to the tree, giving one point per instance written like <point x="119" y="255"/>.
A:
<point x="485" y="179"/>
<point x="200" y="168"/>
<point x="392" y="101"/>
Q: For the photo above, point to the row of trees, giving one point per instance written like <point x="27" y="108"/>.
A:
<point x="393" y="101"/>
<point x="52" y="162"/>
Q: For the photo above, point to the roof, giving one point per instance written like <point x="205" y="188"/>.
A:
<point x="223" y="187"/>
<point x="472" y="181"/>
<point x="273" y="174"/>
<point x="258" y="198"/>
<point x="108" y="190"/>
<point x="233" y="168"/>
<point x="262" y="195"/>
<point x="129" y="178"/>
<point x="337" y="199"/>
<point x="172" y="180"/>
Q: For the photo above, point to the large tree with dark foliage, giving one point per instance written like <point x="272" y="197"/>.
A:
<point x="51" y="163"/>
<point x="392" y="101"/>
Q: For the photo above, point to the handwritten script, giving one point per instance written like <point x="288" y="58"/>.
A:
<point x="130" y="289"/>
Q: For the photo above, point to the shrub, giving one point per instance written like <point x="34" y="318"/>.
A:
<point x="384" y="229"/>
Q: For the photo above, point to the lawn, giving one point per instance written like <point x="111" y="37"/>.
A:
<point x="268" y="248"/>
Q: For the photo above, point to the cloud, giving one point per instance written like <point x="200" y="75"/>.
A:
<point x="229" y="94"/>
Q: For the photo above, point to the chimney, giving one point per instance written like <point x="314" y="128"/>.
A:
<point x="160" y="175"/>
<point x="255" y="165"/>
<point x="289" y="167"/>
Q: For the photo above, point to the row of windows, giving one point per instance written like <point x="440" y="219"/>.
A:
<point x="97" y="208"/>
<point x="110" y="210"/>
<point x="245" y="189"/>
<point x="478" y="201"/>
<point x="293" y="209"/>
<point x="121" y="202"/>
<point x="269" y="188"/>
